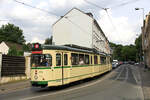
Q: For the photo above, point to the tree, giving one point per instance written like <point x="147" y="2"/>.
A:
<point x="124" y="53"/>
<point x="14" y="52"/>
<point x="26" y="47"/>
<point x="138" y="44"/>
<point x="11" y="33"/>
<point x="49" y="40"/>
<point x="129" y="53"/>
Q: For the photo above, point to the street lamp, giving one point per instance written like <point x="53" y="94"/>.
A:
<point x="143" y="12"/>
<point x="143" y="25"/>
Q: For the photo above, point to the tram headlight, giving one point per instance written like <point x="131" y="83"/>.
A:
<point x="36" y="77"/>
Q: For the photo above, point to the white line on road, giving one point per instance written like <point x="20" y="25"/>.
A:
<point x="127" y="74"/>
<point x="135" y="70"/>
<point x="119" y="74"/>
<point x="90" y="84"/>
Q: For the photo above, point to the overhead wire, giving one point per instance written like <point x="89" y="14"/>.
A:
<point x="110" y="19"/>
<point x="50" y="13"/>
<point x="93" y="4"/>
<point x="25" y="4"/>
<point x="105" y="9"/>
<point x="124" y="3"/>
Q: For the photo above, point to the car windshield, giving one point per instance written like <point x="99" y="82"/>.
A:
<point x="41" y="60"/>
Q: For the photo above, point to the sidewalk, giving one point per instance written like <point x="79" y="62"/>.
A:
<point x="145" y="78"/>
<point x="5" y="88"/>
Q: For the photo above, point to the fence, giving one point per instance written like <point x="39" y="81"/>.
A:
<point x="14" y="68"/>
<point x="12" y="65"/>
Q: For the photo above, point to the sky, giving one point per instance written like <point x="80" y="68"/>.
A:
<point x="121" y="23"/>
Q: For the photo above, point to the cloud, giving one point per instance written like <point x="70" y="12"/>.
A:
<point x="36" y="24"/>
<point x="117" y="29"/>
<point x="36" y="39"/>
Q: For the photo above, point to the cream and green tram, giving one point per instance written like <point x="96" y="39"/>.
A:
<point x="60" y="65"/>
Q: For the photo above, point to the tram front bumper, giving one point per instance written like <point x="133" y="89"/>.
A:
<point x="39" y="83"/>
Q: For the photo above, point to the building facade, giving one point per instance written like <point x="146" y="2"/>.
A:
<point x="80" y="28"/>
<point x="146" y="40"/>
<point x="5" y="46"/>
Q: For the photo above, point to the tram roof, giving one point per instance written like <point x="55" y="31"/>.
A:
<point x="52" y="47"/>
<point x="69" y="48"/>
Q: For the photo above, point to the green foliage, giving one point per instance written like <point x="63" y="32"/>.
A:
<point x="25" y="47"/>
<point x="138" y="44"/>
<point x="124" y="53"/>
<point x="129" y="53"/>
<point x="11" y="33"/>
<point x="13" y="52"/>
<point x="49" y="40"/>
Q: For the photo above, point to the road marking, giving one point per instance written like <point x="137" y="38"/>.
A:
<point x="127" y="74"/>
<point x="87" y="85"/>
<point x="138" y="82"/>
<point x="119" y="74"/>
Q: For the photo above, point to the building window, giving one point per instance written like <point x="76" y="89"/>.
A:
<point x="65" y="59"/>
<point x="58" y="59"/>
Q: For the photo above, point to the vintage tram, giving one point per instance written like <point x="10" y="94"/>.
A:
<point x="60" y="65"/>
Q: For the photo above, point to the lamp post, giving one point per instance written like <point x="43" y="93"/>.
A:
<point x="143" y="12"/>
<point x="143" y="25"/>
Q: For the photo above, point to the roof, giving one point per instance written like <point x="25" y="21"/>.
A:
<point x="88" y="14"/>
<point x="74" y="48"/>
<point x="100" y="29"/>
<point x="10" y="45"/>
<point x="52" y="47"/>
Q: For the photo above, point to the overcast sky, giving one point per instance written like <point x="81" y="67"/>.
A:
<point x="121" y="25"/>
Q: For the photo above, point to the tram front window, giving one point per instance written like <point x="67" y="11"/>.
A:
<point x="38" y="60"/>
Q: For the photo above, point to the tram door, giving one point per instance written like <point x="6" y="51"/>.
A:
<point x="65" y="70"/>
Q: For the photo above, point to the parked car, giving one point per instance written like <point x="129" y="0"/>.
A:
<point x="115" y="63"/>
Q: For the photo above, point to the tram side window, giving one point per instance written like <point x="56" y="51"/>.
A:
<point x="74" y="59"/>
<point x="81" y="59"/>
<point x="103" y="60"/>
<point x="58" y="59"/>
<point x="87" y="59"/>
<point x="49" y="59"/>
<point x="95" y="60"/>
<point x="65" y="59"/>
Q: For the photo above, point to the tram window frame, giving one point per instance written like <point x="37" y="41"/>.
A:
<point x="95" y="59"/>
<point x="60" y="60"/>
<point x="103" y="59"/>
<point x="42" y="60"/>
<point x="74" y="58"/>
<point x="65" y="59"/>
<point x="81" y="59"/>
<point x="87" y="58"/>
<point x="91" y="60"/>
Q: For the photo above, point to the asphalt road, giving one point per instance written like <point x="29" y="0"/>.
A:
<point x="123" y="83"/>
